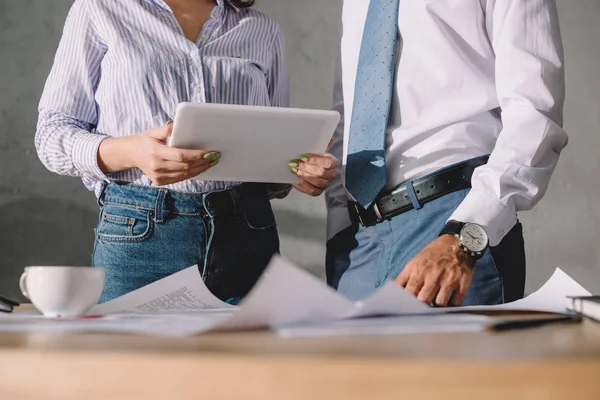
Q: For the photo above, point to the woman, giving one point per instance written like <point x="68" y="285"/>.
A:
<point x="121" y="68"/>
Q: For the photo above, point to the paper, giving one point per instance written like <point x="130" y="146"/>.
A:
<point x="175" y="324"/>
<point x="285" y="296"/>
<point x="183" y="290"/>
<point x="410" y="324"/>
<point x="391" y="299"/>
<point x="552" y="297"/>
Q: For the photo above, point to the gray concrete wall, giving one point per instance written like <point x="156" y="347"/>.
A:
<point x="46" y="219"/>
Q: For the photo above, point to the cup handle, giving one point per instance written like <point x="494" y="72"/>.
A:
<point x="23" y="285"/>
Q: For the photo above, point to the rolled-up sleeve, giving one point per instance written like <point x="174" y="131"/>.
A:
<point x="65" y="139"/>
<point x="531" y="89"/>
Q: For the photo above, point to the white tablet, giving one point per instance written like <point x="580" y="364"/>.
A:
<point x="256" y="143"/>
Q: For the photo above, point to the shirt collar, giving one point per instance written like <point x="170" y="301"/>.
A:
<point x="218" y="11"/>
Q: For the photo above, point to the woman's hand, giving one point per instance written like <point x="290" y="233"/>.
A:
<point x="149" y="152"/>
<point x="315" y="172"/>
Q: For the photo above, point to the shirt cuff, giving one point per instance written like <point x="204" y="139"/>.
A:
<point x="338" y="219"/>
<point x="85" y="155"/>
<point x="496" y="218"/>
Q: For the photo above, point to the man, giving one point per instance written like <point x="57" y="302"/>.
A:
<point x="430" y="89"/>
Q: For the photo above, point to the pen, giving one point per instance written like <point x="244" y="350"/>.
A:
<point x="533" y="323"/>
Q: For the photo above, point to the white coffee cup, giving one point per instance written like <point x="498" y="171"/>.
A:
<point x="63" y="292"/>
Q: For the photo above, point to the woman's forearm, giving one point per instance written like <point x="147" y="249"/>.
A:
<point x="116" y="154"/>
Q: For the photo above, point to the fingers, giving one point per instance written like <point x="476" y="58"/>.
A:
<point x="326" y="161"/>
<point x="174" y="176"/>
<point x="184" y="155"/>
<point x="307" y="188"/>
<point x="317" y="170"/>
<point x="403" y="278"/>
<point x="432" y="285"/>
<point x="414" y="285"/>
<point x="174" y="166"/>
<point x="459" y="295"/>
<point x="315" y="173"/>
<point x="314" y="180"/>
<point x="164" y="152"/>
<point x="443" y="296"/>
<point x="428" y="291"/>
<point x="161" y="133"/>
<point x="319" y="165"/>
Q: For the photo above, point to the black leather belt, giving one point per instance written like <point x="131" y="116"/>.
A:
<point x="428" y="188"/>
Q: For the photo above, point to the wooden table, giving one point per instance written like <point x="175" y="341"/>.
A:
<point x="555" y="362"/>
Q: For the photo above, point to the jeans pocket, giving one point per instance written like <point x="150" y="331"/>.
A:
<point x="123" y="223"/>
<point x="487" y="287"/>
<point x="259" y="216"/>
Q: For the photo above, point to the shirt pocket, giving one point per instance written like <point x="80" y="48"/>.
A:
<point x="235" y="80"/>
<point x="125" y="224"/>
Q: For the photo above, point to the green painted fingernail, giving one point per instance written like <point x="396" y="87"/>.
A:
<point x="217" y="156"/>
<point x="305" y="158"/>
<point x="293" y="164"/>
<point x="294" y="170"/>
<point x="212" y="164"/>
<point x="208" y="156"/>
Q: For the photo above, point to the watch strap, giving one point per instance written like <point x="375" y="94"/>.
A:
<point x="452" y="228"/>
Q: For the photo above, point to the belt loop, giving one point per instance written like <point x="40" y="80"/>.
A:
<point x="102" y="194"/>
<point x="206" y="204"/>
<point x="160" y="202"/>
<point x="413" y="196"/>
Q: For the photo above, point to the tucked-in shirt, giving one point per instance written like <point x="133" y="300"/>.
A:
<point x="473" y="77"/>
<point x="123" y="66"/>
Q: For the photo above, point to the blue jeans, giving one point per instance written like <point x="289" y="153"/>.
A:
<point x="361" y="259"/>
<point x="145" y="234"/>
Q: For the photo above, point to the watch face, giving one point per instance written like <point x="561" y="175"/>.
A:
<point x="474" y="238"/>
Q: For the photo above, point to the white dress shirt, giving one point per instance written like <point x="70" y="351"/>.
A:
<point x="473" y="77"/>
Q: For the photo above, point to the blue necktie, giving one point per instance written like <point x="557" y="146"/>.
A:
<point x="366" y="173"/>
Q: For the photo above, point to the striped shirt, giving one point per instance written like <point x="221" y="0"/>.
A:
<point x="123" y="66"/>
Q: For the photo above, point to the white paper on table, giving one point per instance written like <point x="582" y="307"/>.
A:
<point x="175" y="324"/>
<point x="391" y="325"/>
<point x="184" y="290"/>
<point x="286" y="295"/>
<point x="391" y="299"/>
<point x="551" y="297"/>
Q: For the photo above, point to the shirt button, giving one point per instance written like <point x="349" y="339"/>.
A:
<point x="197" y="89"/>
<point x="194" y="53"/>
<point x="204" y="37"/>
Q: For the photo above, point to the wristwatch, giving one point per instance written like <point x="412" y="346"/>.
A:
<point x="473" y="238"/>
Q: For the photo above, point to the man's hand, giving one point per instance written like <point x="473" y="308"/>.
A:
<point x="440" y="274"/>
